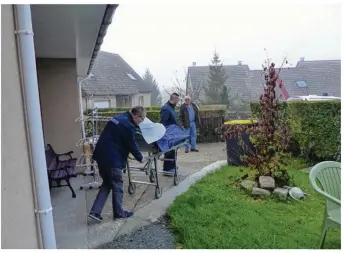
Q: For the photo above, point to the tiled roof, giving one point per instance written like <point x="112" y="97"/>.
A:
<point x="319" y="76"/>
<point x="111" y="75"/>
<point x="236" y="81"/>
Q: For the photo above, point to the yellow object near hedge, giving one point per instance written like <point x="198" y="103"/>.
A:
<point x="241" y="122"/>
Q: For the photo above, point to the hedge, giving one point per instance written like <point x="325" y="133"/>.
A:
<point x="208" y="132"/>
<point x="154" y="115"/>
<point x="315" y="127"/>
<point x="122" y="109"/>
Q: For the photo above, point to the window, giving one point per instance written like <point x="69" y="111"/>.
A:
<point x="131" y="76"/>
<point x="101" y="104"/>
<point x="123" y="101"/>
<point x="141" y="100"/>
<point x="301" y="84"/>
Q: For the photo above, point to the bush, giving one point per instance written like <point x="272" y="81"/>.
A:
<point x="282" y="110"/>
<point x="315" y="128"/>
<point x="269" y="136"/>
<point x="122" y="109"/>
<point x="208" y="132"/>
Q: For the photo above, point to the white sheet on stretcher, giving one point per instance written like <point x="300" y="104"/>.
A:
<point x="151" y="131"/>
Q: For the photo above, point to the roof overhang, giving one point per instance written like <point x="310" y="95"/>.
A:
<point x="71" y="31"/>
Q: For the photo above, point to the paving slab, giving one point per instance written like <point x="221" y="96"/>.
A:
<point x="75" y="231"/>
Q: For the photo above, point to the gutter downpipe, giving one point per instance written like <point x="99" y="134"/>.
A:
<point x="28" y="70"/>
<point x="81" y="111"/>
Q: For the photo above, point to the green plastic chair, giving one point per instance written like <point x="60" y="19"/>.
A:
<point x="328" y="175"/>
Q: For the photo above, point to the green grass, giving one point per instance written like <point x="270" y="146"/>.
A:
<point x="214" y="214"/>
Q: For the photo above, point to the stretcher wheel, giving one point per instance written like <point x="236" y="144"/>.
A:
<point x="158" y="192"/>
<point x="152" y="178"/>
<point x="81" y="187"/>
<point x="131" y="188"/>
<point x="176" y="180"/>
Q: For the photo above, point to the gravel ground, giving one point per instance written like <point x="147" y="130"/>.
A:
<point x="153" y="236"/>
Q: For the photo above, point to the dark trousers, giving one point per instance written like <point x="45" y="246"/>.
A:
<point x="169" y="165"/>
<point x="112" y="181"/>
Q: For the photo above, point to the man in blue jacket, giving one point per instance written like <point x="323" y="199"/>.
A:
<point x="111" y="153"/>
<point x="169" y="117"/>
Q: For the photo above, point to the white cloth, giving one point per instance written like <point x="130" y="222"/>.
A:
<point x="151" y="131"/>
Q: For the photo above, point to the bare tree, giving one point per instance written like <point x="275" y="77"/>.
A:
<point x="179" y="87"/>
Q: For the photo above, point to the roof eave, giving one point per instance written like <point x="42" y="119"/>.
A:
<point x="107" y="19"/>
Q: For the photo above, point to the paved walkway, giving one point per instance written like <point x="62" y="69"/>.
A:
<point x="74" y="230"/>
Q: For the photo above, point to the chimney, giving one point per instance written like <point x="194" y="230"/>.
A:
<point x="302" y="59"/>
<point x="239" y="62"/>
<point x="194" y="64"/>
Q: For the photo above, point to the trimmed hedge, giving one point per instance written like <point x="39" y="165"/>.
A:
<point x="154" y="115"/>
<point x="207" y="133"/>
<point x="122" y="109"/>
<point x="315" y="127"/>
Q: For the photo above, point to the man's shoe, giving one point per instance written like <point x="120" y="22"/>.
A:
<point x="126" y="214"/>
<point x="186" y="151"/>
<point x="95" y="216"/>
<point x="194" y="150"/>
<point x="170" y="172"/>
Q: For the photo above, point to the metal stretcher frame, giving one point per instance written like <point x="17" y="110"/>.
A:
<point x="151" y="167"/>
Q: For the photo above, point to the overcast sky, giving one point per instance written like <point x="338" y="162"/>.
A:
<point x="167" y="38"/>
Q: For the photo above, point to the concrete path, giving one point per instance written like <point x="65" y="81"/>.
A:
<point x="74" y="230"/>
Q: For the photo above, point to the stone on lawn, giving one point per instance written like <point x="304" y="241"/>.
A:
<point x="248" y="185"/>
<point x="267" y="183"/>
<point x="281" y="193"/>
<point x="258" y="192"/>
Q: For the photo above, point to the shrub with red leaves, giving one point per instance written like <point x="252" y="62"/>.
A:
<point x="269" y="136"/>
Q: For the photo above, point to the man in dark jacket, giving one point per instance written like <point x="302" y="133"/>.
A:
<point x="189" y="120"/>
<point x="111" y="153"/>
<point x="169" y="117"/>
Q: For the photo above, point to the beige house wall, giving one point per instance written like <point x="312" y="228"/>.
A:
<point x="146" y="99"/>
<point x="19" y="226"/>
<point x="134" y="100"/>
<point x="59" y="95"/>
<point x="90" y="102"/>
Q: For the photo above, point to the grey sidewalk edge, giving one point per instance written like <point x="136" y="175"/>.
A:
<point x="157" y="208"/>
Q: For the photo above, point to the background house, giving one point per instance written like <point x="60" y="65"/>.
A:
<point x="237" y="79"/>
<point x="306" y="78"/>
<point x="113" y="83"/>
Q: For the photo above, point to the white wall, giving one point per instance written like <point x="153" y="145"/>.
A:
<point x="59" y="95"/>
<point x="112" y="101"/>
<point x="19" y="228"/>
<point x="146" y="99"/>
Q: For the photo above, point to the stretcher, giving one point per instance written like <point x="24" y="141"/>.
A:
<point x="151" y="167"/>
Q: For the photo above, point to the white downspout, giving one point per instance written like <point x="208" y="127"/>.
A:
<point x="81" y="111"/>
<point x="28" y="70"/>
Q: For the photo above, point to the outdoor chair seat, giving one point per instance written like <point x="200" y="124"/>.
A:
<point x="325" y="179"/>
<point x="60" y="170"/>
<point x="334" y="215"/>
<point x="65" y="168"/>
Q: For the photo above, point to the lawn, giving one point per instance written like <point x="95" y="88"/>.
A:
<point x="214" y="214"/>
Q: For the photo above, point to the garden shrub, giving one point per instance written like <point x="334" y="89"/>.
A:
<point x="269" y="136"/>
<point x="154" y="115"/>
<point x="316" y="128"/>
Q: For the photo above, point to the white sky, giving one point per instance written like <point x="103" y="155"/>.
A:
<point x="167" y="38"/>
